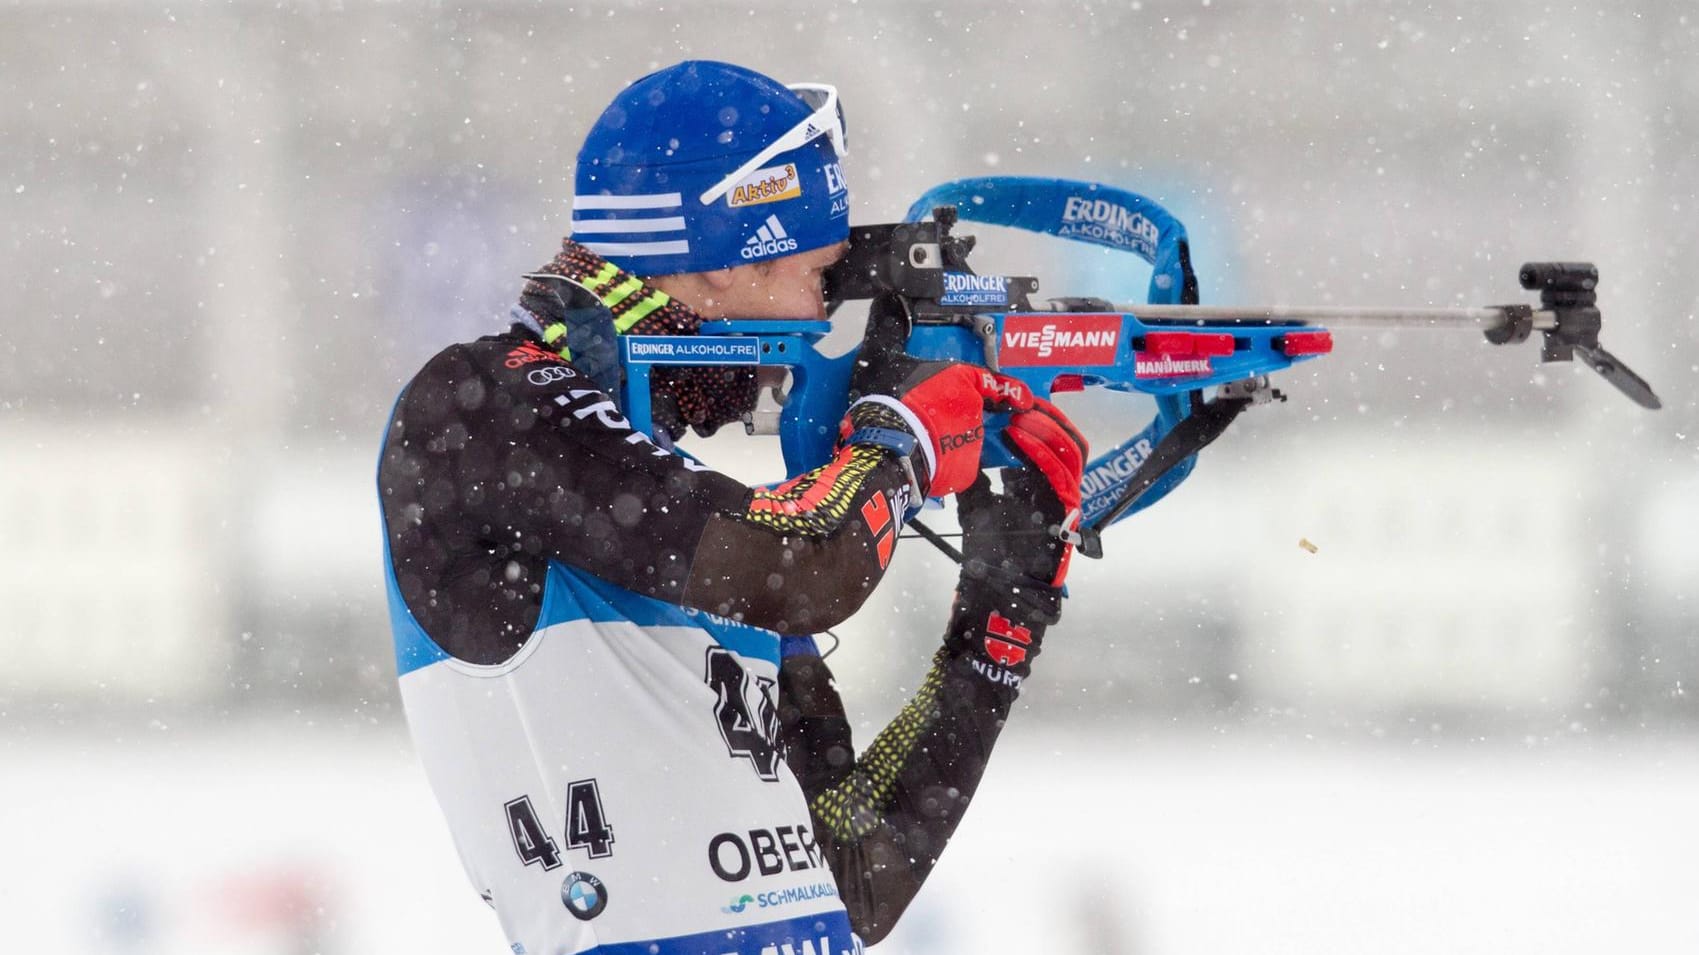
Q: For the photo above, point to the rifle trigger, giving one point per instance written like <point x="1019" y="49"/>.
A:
<point x="986" y="328"/>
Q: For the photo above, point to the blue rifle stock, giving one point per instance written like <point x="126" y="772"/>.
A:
<point x="1168" y="348"/>
<point x="1049" y="351"/>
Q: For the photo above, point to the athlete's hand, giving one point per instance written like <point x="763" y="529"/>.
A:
<point x="1022" y="532"/>
<point x="942" y="404"/>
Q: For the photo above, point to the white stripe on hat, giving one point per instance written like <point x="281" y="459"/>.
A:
<point x="679" y="247"/>
<point x="763" y="235"/>
<point x="659" y="200"/>
<point x="673" y="224"/>
<point x="778" y="227"/>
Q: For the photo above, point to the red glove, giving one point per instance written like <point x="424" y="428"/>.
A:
<point x="942" y="404"/>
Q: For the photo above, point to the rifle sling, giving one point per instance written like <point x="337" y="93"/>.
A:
<point x="1196" y="431"/>
<point x="1192" y="434"/>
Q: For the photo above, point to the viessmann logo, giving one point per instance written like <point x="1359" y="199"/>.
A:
<point x="1060" y="340"/>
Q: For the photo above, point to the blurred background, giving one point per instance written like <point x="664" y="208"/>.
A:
<point x="230" y="232"/>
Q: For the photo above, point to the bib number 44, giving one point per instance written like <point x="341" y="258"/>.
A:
<point x="586" y="827"/>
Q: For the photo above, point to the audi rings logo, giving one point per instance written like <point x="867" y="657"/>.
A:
<point x="548" y="374"/>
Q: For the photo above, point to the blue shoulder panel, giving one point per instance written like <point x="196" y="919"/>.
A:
<point x="413" y="647"/>
<point x="572" y="594"/>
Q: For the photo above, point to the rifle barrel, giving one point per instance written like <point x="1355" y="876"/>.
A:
<point x="1339" y="316"/>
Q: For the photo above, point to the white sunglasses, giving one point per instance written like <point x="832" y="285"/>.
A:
<point x="826" y="120"/>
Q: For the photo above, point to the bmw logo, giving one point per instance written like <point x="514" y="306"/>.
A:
<point x="584" y="895"/>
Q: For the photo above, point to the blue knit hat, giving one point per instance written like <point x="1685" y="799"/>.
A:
<point x="677" y="133"/>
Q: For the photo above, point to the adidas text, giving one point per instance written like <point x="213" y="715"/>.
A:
<point x="760" y="250"/>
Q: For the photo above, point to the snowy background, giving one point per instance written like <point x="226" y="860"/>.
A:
<point x="229" y="232"/>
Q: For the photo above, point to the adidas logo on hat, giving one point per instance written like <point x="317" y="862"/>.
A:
<point x="769" y="240"/>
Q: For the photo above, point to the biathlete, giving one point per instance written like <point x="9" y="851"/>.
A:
<point x="604" y="646"/>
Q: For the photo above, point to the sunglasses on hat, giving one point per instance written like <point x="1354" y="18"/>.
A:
<point x="826" y="120"/>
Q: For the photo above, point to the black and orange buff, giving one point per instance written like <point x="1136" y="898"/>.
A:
<point x="705" y="397"/>
<point x="503" y="456"/>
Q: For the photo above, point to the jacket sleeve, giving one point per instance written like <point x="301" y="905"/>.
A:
<point x="515" y="454"/>
<point x="883" y="818"/>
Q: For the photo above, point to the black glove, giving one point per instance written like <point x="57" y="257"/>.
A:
<point x="1005" y="600"/>
<point x="1017" y="535"/>
<point x="1014" y="557"/>
<point x="1007" y="541"/>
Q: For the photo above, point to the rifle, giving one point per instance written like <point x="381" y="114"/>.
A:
<point x="1170" y="347"/>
